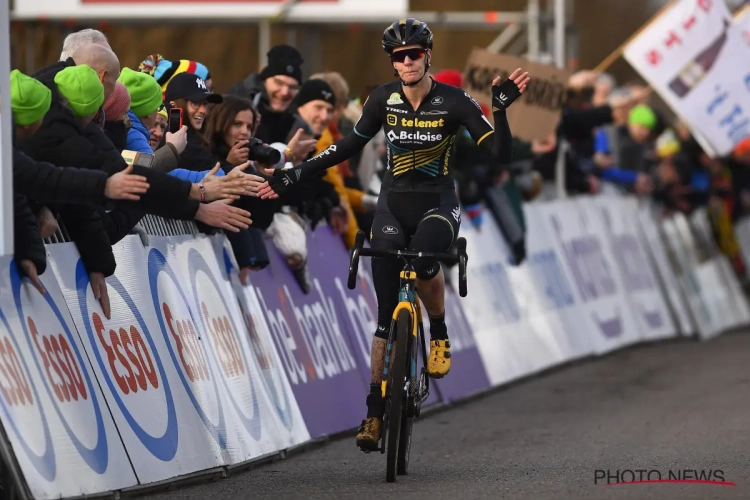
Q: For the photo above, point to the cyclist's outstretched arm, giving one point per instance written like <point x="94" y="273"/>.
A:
<point x="368" y="125"/>
<point x="497" y="142"/>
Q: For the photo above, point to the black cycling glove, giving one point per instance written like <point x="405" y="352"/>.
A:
<point x="505" y="94"/>
<point x="284" y="179"/>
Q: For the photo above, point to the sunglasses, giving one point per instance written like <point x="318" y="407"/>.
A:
<point x="413" y="54"/>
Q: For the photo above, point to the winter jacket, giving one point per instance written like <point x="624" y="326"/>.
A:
<point x="138" y="135"/>
<point x="46" y="183"/>
<point x="27" y="240"/>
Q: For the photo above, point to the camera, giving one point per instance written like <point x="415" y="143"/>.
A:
<point x="257" y="151"/>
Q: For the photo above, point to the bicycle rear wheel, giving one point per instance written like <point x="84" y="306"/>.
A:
<point x="397" y="396"/>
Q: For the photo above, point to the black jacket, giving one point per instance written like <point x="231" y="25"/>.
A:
<point x="46" y="183"/>
<point x="27" y="240"/>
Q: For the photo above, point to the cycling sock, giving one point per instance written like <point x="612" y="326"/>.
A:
<point x="438" y="330"/>
<point x="374" y="402"/>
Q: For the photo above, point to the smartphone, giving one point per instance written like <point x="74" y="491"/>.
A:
<point x="175" y="120"/>
<point x="138" y="159"/>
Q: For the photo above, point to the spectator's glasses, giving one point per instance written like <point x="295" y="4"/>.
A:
<point x="413" y="54"/>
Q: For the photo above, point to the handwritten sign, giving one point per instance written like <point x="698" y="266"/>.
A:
<point x="534" y="115"/>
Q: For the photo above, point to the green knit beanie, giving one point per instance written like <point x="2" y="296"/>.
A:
<point x="642" y="115"/>
<point x="80" y="85"/>
<point x="29" y="98"/>
<point x="145" y="92"/>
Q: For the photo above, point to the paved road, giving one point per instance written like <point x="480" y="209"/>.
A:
<point x="671" y="406"/>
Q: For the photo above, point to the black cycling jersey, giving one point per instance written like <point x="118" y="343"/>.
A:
<point x="419" y="142"/>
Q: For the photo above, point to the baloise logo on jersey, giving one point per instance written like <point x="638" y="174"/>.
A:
<point x="415" y="135"/>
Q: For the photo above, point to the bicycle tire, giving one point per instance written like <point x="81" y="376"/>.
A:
<point x="407" y="416"/>
<point x="396" y="385"/>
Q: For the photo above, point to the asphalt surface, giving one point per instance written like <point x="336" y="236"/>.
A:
<point x="672" y="406"/>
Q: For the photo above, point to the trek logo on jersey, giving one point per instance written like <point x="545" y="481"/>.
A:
<point x="394" y="99"/>
<point x="396" y="110"/>
<point x="416" y="136"/>
<point x="422" y="123"/>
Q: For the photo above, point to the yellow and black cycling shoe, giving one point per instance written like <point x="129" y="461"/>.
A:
<point x="439" y="360"/>
<point x="368" y="436"/>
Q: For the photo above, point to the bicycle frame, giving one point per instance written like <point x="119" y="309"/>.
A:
<point x="407" y="297"/>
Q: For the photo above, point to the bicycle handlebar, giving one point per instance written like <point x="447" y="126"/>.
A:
<point x="448" y="258"/>
<point x="359" y="250"/>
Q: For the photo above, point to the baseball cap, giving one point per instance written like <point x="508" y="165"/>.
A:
<point x="190" y="87"/>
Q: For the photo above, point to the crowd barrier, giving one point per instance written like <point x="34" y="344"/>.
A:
<point x="195" y="371"/>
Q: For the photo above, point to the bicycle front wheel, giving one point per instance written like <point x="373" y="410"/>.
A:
<point x="397" y="394"/>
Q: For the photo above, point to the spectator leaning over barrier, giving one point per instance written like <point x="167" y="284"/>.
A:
<point x="272" y="91"/>
<point x="64" y="141"/>
<point x="117" y="124"/>
<point x="75" y="41"/>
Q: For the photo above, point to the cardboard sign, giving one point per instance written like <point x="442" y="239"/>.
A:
<point x="534" y="115"/>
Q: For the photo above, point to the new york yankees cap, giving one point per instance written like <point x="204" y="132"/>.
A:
<point x="190" y="87"/>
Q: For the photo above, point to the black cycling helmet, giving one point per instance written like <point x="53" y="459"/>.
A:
<point x="407" y="32"/>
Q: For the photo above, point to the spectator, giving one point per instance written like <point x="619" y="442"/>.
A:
<point x="164" y="70"/>
<point x="272" y="91"/>
<point x="117" y="123"/>
<point x="75" y="41"/>
<point x="160" y="126"/>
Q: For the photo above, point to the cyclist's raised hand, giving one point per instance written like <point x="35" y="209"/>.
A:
<point x="504" y="94"/>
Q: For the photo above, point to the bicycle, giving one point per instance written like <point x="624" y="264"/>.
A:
<point x="404" y="395"/>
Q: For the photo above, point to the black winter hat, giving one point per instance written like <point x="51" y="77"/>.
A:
<point x="283" y="60"/>
<point x="314" y="90"/>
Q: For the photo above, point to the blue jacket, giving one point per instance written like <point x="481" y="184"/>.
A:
<point x="138" y="136"/>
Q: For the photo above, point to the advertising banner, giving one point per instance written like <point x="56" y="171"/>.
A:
<point x="154" y="415"/>
<point x="556" y="290"/>
<point x="290" y="427"/>
<point x="211" y="10"/>
<point x="578" y="231"/>
<point x="320" y="337"/>
<point x="51" y="406"/>
<point x="689" y="56"/>
<point x="640" y="282"/>
<point x="653" y="241"/>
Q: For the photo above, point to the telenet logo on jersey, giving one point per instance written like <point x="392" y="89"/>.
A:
<point x="422" y="123"/>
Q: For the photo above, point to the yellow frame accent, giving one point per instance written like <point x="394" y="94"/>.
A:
<point x="416" y="316"/>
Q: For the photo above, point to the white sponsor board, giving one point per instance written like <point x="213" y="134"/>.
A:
<point x="578" y="232"/>
<point x="690" y="55"/>
<point x="304" y="11"/>
<point x="290" y="429"/>
<point x="652" y="238"/>
<point x="639" y="280"/>
<point x="52" y="409"/>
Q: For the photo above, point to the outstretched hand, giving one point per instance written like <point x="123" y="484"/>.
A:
<point x="504" y="94"/>
<point x="278" y="183"/>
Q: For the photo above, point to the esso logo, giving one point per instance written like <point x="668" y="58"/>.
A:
<point x="222" y="332"/>
<point x="127" y="357"/>
<point x="64" y="373"/>
<point x="186" y="347"/>
<point x="272" y="377"/>
<point x="19" y="400"/>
